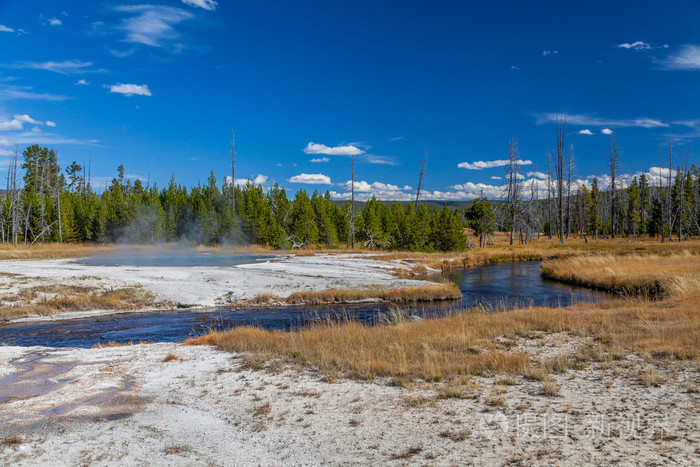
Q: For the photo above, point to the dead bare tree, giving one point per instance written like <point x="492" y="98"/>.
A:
<point x="58" y="202"/>
<point x="420" y="179"/>
<point x="513" y="192"/>
<point x="233" y="175"/>
<point x="549" y="193"/>
<point x="351" y="225"/>
<point x="669" y="202"/>
<point x="561" y="135"/>
<point x="613" y="185"/>
<point x="570" y="168"/>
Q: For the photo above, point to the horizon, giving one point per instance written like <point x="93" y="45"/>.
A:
<point x="158" y="87"/>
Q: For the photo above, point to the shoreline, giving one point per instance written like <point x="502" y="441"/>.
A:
<point x="205" y="288"/>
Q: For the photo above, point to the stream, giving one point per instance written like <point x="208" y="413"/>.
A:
<point x="495" y="287"/>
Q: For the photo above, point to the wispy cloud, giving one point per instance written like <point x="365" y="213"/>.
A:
<point x="30" y="137"/>
<point x="311" y="179"/>
<point x="687" y="58"/>
<point x="549" y="52"/>
<point x="480" y="165"/>
<point x="640" y="45"/>
<point x="55" y="22"/>
<point x="81" y="82"/>
<point x="585" y="132"/>
<point x="592" y="120"/>
<point x="346" y="150"/>
<point x="206" y="4"/>
<point x="377" y="159"/>
<point x="515" y="68"/>
<point x="4" y="28"/>
<point x="130" y="89"/>
<point x="320" y="159"/>
<point x="66" y="67"/>
<point x="26" y="92"/>
<point x="397" y="138"/>
<point x="152" y="25"/>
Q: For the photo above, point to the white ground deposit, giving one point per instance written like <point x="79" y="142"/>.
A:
<point x="133" y="406"/>
<point x="206" y="287"/>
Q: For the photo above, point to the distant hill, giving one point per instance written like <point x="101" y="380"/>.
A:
<point x="432" y="204"/>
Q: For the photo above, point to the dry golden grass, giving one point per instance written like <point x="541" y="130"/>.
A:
<point x="44" y="300"/>
<point x="442" y="349"/>
<point x="654" y="275"/>
<point x="52" y="251"/>
<point x="446" y="291"/>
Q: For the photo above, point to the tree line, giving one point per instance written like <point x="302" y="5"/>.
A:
<point x="42" y="203"/>
<point x="51" y="205"/>
<point x="668" y="208"/>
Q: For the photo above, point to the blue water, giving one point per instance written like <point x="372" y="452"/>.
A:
<point x="172" y="257"/>
<point x="495" y="287"/>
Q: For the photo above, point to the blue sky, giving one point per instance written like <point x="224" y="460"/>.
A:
<point x="157" y="86"/>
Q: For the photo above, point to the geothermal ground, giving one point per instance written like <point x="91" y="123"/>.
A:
<point x="193" y="405"/>
<point x="199" y="286"/>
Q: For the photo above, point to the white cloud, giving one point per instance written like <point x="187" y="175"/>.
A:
<point x="688" y="58"/>
<point x="130" y="89"/>
<point x="50" y="123"/>
<point x="514" y="68"/>
<point x="152" y="25"/>
<point x="347" y="150"/>
<point x="24" y="118"/>
<point x="260" y="179"/>
<point x="4" y="28"/>
<point x="606" y="131"/>
<point x="374" y="186"/>
<point x="10" y="125"/>
<point x="66" y="67"/>
<point x="17" y="122"/>
<point x="81" y="82"/>
<point x="591" y="120"/>
<point x="471" y="190"/>
<point x="494" y="177"/>
<point x="479" y="165"/>
<point x="320" y="159"/>
<point x="537" y="174"/>
<point x="206" y="4"/>
<point x="585" y="132"/>
<point x="313" y="179"/>
<point x="55" y="22"/>
<point x="549" y="52"/>
<point x="637" y="45"/>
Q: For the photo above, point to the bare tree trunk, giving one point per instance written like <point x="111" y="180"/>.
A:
<point x="58" y="202"/>
<point x="351" y="225"/>
<point x="233" y="176"/>
<point x="549" y="193"/>
<point x="561" y="134"/>
<point x="669" y="206"/>
<point x="613" y="182"/>
<point x="570" y="165"/>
